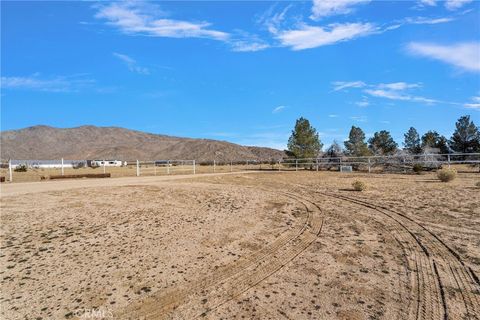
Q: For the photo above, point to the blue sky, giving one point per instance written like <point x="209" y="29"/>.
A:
<point x="241" y="71"/>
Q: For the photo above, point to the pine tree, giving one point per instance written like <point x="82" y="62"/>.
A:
<point x="432" y="139"/>
<point x="304" y="141"/>
<point x="382" y="143"/>
<point x="466" y="138"/>
<point x="412" y="141"/>
<point x="356" y="145"/>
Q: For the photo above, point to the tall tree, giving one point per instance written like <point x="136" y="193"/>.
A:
<point x="304" y="141"/>
<point x="412" y="141"/>
<point x="382" y="143"/>
<point x="356" y="145"/>
<point x="466" y="137"/>
<point x="432" y="139"/>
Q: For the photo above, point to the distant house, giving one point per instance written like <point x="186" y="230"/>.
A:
<point x="104" y="163"/>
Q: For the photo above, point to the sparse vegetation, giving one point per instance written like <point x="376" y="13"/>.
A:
<point x="477" y="184"/>
<point x="417" y="168"/>
<point x="21" y="168"/>
<point x="359" y="185"/>
<point x="78" y="165"/>
<point x="446" y="175"/>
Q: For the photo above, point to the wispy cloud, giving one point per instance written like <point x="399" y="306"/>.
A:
<point x="131" y="63"/>
<point x="463" y="55"/>
<point x="474" y="104"/>
<point x="449" y="4"/>
<point x="140" y="18"/>
<point x="325" y="8"/>
<point x="73" y="83"/>
<point x="278" y="109"/>
<point x="359" y="118"/>
<point x="333" y="115"/>
<point x="425" y="20"/>
<point x="307" y="36"/>
<point x="341" y="85"/>
<point x="399" y="85"/>
<point x="392" y="91"/>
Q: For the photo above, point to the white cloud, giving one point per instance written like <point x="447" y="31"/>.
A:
<point x="475" y="104"/>
<point x="449" y="4"/>
<point x="248" y="45"/>
<point x="424" y="20"/>
<point x="325" y="8"/>
<point x="131" y="63"/>
<point x="143" y="19"/>
<point x="307" y="36"/>
<point x="363" y="103"/>
<point x="456" y="4"/>
<point x="398" y="95"/>
<point x="278" y="109"/>
<point x="399" y="85"/>
<point x="359" y="118"/>
<point x="333" y="115"/>
<point x="340" y="85"/>
<point x="464" y="55"/>
<point x="55" y="84"/>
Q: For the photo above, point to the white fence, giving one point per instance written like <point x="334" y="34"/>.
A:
<point x="41" y="169"/>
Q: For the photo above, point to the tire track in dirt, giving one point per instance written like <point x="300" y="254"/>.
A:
<point x="446" y="287"/>
<point x="198" y="298"/>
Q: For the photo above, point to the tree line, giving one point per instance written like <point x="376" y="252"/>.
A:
<point x="304" y="141"/>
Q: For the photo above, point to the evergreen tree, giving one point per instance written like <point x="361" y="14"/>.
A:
<point x="433" y="139"/>
<point x="356" y="145"/>
<point x="466" y="138"/>
<point x="382" y="143"/>
<point x="304" y="141"/>
<point x="412" y="141"/>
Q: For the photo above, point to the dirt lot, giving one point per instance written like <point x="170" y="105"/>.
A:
<point x="294" y="245"/>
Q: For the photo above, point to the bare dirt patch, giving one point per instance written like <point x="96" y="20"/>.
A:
<point x="268" y="245"/>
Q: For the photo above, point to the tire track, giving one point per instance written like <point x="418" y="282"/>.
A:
<point x="226" y="283"/>
<point x="447" y="289"/>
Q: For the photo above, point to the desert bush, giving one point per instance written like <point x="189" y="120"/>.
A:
<point x="446" y="175"/>
<point x="417" y="168"/>
<point x="21" y="168"/>
<point x="477" y="184"/>
<point x="359" y="186"/>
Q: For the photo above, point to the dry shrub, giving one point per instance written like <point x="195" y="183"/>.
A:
<point x="359" y="185"/>
<point x="417" y="168"/>
<point x="477" y="184"/>
<point x="446" y="175"/>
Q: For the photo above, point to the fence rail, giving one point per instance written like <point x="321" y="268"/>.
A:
<point x="34" y="170"/>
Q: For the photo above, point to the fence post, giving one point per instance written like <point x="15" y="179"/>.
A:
<point x="62" y="168"/>
<point x="279" y="165"/>
<point x="104" y="165"/>
<point x="296" y="164"/>
<point x="154" y="168"/>
<point x="10" y="170"/>
<point x="231" y="169"/>
<point x="168" y="166"/>
<point x="194" y="167"/>
<point x="448" y="160"/>
<point x="138" y="169"/>
<point x="369" y="165"/>
<point x="214" y="164"/>
<point x="247" y="165"/>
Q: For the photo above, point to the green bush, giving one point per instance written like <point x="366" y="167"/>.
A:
<point x="359" y="186"/>
<point x="417" y="168"/>
<point x="446" y="175"/>
<point x="21" y="168"/>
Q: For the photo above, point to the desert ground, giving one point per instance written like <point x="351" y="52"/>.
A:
<point x="253" y="245"/>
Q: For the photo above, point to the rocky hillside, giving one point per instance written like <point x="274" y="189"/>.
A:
<point x="91" y="142"/>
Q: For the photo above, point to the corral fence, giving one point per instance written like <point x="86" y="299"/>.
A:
<point x="36" y="170"/>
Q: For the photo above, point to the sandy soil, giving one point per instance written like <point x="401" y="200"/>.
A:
<point x="298" y="245"/>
